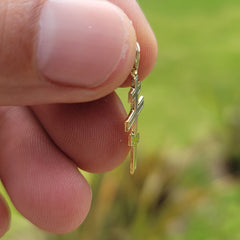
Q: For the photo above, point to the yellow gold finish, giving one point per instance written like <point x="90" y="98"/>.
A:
<point x="136" y="107"/>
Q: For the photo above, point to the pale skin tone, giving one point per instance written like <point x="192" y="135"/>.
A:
<point x="49" y="127"/>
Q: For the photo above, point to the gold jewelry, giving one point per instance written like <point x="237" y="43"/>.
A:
<point x="136" y="107"/>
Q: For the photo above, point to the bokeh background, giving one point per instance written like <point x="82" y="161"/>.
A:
<point x="187" y="185"/>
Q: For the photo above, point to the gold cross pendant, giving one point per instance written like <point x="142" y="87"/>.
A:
<point x="136" y="107"/>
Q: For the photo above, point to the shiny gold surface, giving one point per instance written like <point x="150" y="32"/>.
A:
<point x="136" y="107"/>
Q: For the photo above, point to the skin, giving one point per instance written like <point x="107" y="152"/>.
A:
<point x="47" y="131"/>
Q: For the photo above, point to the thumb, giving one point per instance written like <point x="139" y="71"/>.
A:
<point x="62" y="50"/>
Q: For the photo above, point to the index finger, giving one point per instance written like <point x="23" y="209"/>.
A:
<point x="145" y="36"/>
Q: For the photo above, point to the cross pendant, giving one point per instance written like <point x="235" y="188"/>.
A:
<point x="136" y="107"/>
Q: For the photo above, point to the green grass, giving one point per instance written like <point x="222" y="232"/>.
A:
<point x="189" y="97"/>
<point x="196" y="78"/>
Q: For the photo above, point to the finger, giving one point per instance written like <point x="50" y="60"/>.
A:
<point x="92" y="134"/>
<point x="4" y="217"/>
<point x="145" y="36"/>
<point x="42" y="183"/>
<point x="62" y="51"/>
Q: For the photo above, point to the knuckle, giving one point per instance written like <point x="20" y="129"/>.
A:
<point x="18" y="29"/>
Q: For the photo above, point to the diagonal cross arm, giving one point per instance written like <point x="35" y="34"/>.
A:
<point x="136" y="107"/>
<point x="132" y="117"/>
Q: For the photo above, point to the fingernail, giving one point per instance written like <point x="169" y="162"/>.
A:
<point x="81" y="42"/>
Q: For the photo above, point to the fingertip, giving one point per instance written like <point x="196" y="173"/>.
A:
<point x="43" y="184"/>
<point x="82" y="43"/>
<point x="64" y="207"/>
<point x="91" y="134"/>
<point x="145" y="37"/>
<point x="149" y="55"/>
<point x="63" y="51"/>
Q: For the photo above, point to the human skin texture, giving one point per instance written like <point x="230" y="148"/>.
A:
<point x="60" y="62"/>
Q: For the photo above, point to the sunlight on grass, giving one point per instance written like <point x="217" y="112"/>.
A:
<point x="187" y="183"/>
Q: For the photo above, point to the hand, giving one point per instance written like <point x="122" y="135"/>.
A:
<point x="53" y="53"/>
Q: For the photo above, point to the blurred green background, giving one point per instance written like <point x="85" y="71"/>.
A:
<point x="187" y="185"/>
